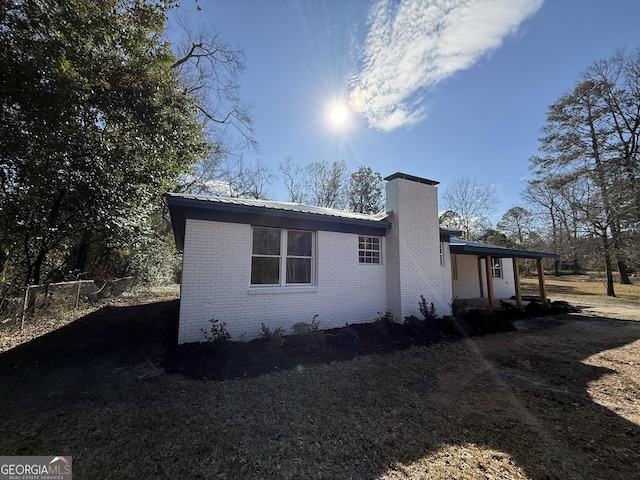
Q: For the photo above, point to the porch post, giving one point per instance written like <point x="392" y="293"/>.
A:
<point x="543" y="291"/>
<point x="480" y="281"/>
<point x="516" y="281"/>
<point x="489" y="281"/>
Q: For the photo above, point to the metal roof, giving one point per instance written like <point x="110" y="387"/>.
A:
<point x="283" y="206"/>
<point x="268" y="213"/>
<point x="463" y="247"/>
<point x="413" y="178"/>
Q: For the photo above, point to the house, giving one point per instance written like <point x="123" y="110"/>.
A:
<point x="252" y="262"/>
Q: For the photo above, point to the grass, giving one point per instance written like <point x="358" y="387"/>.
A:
<point x="583" y="285"/>
<point x="370" y="418"/>
<point x="57" y="316"/>
<point x="510" y="406"/>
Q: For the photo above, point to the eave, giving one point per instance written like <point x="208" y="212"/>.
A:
<point x="291" y="216"/>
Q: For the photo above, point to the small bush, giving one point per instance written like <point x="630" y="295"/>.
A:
<point x="306" y="327"/>
<point x="386" y="317"/>
<point x="458" y="307"/>
<point x="509" y="310"/>
<point x="272" y="339"/>
<point x="217" y="333"/>
<point x="309" y="336"/>
<point x="427" y="311"/>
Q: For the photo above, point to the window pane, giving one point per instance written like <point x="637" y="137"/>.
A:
<point x="266" y="241"/>
<point x="299" y="243"/>
<point x="298" y="270"/>
<point x="368" y="249"/>
<point x="265" y="271"/>
<point x="369" y="257"/>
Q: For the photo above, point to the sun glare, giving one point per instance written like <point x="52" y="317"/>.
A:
<point x="339" y="115"/>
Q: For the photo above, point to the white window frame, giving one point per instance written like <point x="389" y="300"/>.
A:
<point x="282" y="258"/>
<point x="362" y="252"/>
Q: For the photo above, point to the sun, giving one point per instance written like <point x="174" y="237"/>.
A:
<point x="339" y="115"/>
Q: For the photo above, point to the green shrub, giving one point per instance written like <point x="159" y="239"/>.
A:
<point x="217" y="333"/>
<point x="305" y="327"/>
<point x="309" y="336"/>
<point x="386" y="317"/>
<point x="427" y="311"/>
<point x="273" y="339"/>
<point x="458" y="307"/>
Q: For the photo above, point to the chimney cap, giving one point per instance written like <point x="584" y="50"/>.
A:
<point x="405" y="176"/>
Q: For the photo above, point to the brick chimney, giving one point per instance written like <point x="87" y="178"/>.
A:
<point x="413" y="254"/>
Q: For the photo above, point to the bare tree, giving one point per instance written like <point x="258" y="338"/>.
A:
<point x="209" y="71"/>
<point x="326" y="183"/>
<point x="470" y="204"/>
<point x="245" y="180"/>
<point x="592" y="140"/>
<point x="294" y="180"/>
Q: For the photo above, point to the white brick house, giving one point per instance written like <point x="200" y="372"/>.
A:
<point x="253" y="262"/>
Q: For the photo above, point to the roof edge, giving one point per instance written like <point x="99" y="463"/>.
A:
<point x="412" y="178"/>
<point x="483" y="249"/>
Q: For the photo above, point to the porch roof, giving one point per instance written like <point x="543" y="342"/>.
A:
<point x="465" y="247"/>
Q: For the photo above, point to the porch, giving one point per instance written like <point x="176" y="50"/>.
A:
<point x="484" y="274"/>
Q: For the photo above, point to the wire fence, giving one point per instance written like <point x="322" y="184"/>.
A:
<point x="37" y="299"/>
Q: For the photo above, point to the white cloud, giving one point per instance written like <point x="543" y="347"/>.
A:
<point x="414" y="44"/>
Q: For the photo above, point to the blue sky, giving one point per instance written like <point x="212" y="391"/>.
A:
<point x="432" y="92"/>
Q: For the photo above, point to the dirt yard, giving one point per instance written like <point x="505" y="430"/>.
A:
<point x="558" y="398"/>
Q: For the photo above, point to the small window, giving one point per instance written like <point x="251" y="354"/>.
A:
<point x="281" y="257"/>
<point x="369" y="250"/>
<point x="496" y="267"/>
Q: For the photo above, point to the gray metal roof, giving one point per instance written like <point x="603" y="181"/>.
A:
<point x="463" y="247"/>
<point x="268" y="213"/>
<point x="413" y="178"/>
<point x="284" y="206"/>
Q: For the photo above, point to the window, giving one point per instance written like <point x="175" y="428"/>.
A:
<point x="369" y="249"/>
<point x="281" y="257"/>
<point x="496" y="267"/>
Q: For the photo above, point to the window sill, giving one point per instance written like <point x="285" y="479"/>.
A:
<point x="276" y="290"/>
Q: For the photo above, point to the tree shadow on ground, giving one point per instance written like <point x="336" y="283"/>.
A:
<point x="104" y="349"/>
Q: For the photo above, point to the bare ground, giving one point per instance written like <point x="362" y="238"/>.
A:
<point x="559" y="398"/>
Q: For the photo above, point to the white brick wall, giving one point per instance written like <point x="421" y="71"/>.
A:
<point x="216" y="278"/>
<point x="217" y="272"/>
<point x="413" y="256"/>
<point x="467" y="285"/>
